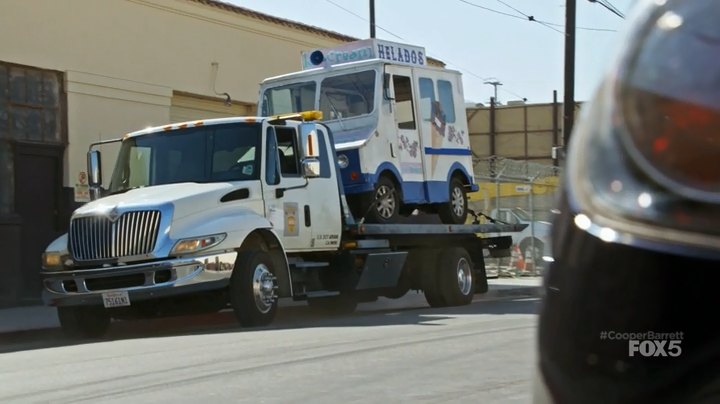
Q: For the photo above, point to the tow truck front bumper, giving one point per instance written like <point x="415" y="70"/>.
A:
<point x="144" y="281"/>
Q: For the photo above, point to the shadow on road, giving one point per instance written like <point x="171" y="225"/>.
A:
<point x="410" y="310"/>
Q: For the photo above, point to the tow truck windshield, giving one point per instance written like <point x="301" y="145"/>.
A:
<point x="212" y="153"/>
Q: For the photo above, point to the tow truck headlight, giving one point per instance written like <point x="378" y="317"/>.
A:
<point x="343" y="161"/>
<point x="193" y="245"/>
<point x="53" y="260"/>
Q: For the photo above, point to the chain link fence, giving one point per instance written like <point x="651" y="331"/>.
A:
<point x="523" y="192"/>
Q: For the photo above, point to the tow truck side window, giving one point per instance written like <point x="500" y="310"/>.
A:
<point x="288" y="152"/>
<point x="324" y="158"/>
<point x="272" y="168"/>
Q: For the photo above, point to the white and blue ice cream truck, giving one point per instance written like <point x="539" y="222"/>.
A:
<point x="399" y="126"/>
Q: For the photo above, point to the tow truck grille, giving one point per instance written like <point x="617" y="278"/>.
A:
<point x="98" y="237"/>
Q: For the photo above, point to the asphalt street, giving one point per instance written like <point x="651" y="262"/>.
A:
<point x="397" y="352"/>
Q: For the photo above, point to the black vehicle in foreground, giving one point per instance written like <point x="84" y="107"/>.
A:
<point x="631" y="298"/>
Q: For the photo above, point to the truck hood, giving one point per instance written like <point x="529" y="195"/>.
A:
<point x="186" y="198"/>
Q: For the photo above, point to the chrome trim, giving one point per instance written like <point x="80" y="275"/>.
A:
<point x="183" y="272"/>
<point x="137" y="233"/>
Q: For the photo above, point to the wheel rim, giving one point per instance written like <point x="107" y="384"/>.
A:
<point x="464" y="276"/>
<point x="264" y="288"/>
<point x="385" y="196"/>
<point x="458" y="201"/>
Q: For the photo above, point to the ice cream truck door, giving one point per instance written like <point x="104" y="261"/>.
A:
<point x="406" y="147"/>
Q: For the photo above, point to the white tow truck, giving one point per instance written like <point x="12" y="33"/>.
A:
<point x="239" y="212"/>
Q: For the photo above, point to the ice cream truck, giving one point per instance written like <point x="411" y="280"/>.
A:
<point x="399" y="126"/>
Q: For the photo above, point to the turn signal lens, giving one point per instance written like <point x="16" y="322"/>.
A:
<point x="192" y="245"/>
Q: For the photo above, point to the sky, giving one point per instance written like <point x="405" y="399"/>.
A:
<point x="526" y="57"/>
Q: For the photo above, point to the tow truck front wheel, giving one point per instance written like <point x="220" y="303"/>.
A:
<point x="83" y="321"/>
<point x="253" y="289"/>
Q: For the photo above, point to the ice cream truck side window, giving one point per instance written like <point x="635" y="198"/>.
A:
<point x="427" y="97"/>
<point x="403" y="102"/>
<point x="446" y="100"/>
<point x="348" y="95"/>
<point x="296" y="97"/>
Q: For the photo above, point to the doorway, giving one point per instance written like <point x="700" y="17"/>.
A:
<point x="38" y="184"/>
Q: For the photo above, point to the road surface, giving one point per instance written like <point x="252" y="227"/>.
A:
<point x="386" y="352"/>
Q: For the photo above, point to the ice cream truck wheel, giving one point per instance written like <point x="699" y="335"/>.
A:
<point x="455" y="210"/>
<point x="383" y="205"/>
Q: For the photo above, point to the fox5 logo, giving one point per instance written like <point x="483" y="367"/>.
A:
<point x="654" y="348"/>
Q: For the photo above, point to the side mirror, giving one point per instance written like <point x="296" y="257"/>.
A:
<point x="311" y="167"/>
<point x="309" y="141"/>
<point x="94" y="167"/>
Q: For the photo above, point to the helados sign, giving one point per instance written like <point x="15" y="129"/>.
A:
<point x="368" y="49"/>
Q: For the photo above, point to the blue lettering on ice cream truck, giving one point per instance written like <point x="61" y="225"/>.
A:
<point x="399" y="126"/>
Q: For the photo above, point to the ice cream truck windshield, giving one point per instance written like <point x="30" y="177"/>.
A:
<point x="347" y="97"/>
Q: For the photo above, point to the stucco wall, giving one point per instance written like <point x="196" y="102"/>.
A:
<point x="124" y="58"/>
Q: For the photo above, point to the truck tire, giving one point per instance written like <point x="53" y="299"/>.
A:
<point x="455" y="210"/>
<point x="431" y="287"/>
<point x="383" y="205"/>
<point x="334" y="305"/>
<point x="456" y="276"/>
<point x="83" y="321"/>
<point x="253" y="287"/>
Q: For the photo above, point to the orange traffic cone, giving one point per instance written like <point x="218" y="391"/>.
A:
<point x="516" y="259"/>
<point x="529" y="261"/>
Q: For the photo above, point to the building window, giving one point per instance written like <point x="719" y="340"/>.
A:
<point x="32" y="109"/>
<point x="30" y="104"/>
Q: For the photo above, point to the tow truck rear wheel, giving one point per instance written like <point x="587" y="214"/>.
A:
<point x="253" y="288"/>
<point x="83" y="321"/>
<point x="425" y="262"/>
<point x="456" y="276"/>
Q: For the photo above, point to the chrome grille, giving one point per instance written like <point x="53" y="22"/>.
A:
<point x="98" y="238"/>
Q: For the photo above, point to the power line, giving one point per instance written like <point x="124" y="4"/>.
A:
<point x="469" y="72"/>
<point x="363" y="18"/>
<point x="609" y="6"/>
<point x="528" y="18"/>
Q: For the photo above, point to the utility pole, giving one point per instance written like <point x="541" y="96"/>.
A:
<point x="569" y="100"/>
<point x="495" y="84"/>
<point x="372" y="18"/>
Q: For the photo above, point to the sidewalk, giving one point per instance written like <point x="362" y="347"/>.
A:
<point x="31" y="318"/>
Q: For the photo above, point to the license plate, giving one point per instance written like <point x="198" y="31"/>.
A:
<point x="116" y="299"/>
